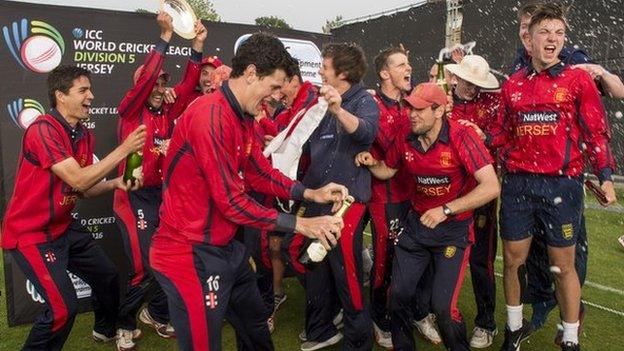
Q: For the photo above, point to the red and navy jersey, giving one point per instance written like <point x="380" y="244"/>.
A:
<point x="40" y="209"/>
<point x="214" y="159"/>
<point x="548" y="119"/>
<point x="482" y="110"/>
<point x="445" y="171"/>
<point x="134" y="110"/>
<point x="393" y="125"/>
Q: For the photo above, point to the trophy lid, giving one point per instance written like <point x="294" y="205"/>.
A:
<point x="183" y="17"/>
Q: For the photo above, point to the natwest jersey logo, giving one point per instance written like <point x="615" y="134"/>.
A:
<point x="35" y="45"/>
<point x="24" y="111"/>
<point x="539" y="117"/>
<point x="433" y="180"/>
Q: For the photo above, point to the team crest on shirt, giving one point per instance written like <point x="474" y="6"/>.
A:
<point x="567" y="230"/>
<point x="450" y="251"/>
<point x="561" y="94"/>
<point x="481" y="112"/>
<point x="445" y="159"/>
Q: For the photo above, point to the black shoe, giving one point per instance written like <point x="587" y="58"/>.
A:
<point x="570" y="346"/>
<point x="513" y="339"/>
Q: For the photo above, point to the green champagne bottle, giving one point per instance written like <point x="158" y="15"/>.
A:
<point x="440" y="79"/>
<point x="134" y="166"/>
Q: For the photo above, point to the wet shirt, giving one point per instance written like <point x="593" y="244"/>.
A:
<point x="482" y="110"/>
<point x="135" y="110"/>
<point x="40" y="208"/>
<point x="445" y="171"/>
<point x="547" y="121"/>
<point x="393" y="125"/>
<point x="332" y="150"/>
<point x="213" y="162"/>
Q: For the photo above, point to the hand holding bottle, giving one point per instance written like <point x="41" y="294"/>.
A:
<point x="134" y="141"/>
<point x="325" y="229"/>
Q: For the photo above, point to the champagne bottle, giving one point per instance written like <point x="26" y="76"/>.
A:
<point x="316" y="252"/>
<point x="134" y="166"/>
<point x="440" y="79"/>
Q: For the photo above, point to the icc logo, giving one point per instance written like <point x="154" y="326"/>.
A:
<point x="24" y="111"/>
<point x="39" y="49"/>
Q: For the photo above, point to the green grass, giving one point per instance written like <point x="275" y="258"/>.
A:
<point x="600" y="332"/>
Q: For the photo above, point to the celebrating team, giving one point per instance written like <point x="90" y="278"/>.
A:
<point x="207" y="233"/>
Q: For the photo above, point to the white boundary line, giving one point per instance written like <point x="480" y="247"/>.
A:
<point x="587" y="282"/>
<point x="606" y="309"/>
<point x="588" y="303"/>
<point x="592" y="284"/>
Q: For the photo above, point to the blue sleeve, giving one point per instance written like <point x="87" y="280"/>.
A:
<point x="572" y="56"/>
<point x="520" y="61"/>
<point x="368" y="114"/>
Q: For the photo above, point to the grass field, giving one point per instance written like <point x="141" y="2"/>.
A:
<point x="604" y="294"/>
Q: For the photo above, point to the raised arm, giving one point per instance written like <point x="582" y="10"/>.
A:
<point x="363" y="126"/>
<point x="134" y="100"/>
<point x="185" y="89"/>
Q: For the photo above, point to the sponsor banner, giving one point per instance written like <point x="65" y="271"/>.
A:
<point x="34" y="39"/>
<point x="305" y="51"/>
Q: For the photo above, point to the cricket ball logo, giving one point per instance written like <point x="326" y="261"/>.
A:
<point x="23" y="112"/>
<point x="35" y="45"/>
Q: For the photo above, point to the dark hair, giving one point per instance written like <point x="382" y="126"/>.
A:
<point x="529" y="8"/>
<point x="62" y="79"/>
<point x="550" y="11"/>
<point x="264" y="51"/>
<point x="381" y="60"/>
<point x="294" y="69"/>
<point x="347" y="58"/>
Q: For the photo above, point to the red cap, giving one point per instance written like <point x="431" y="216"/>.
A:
<point x="138" y="71"/>
<point x="211" y="60"/>
<point x="425" y="95"/>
